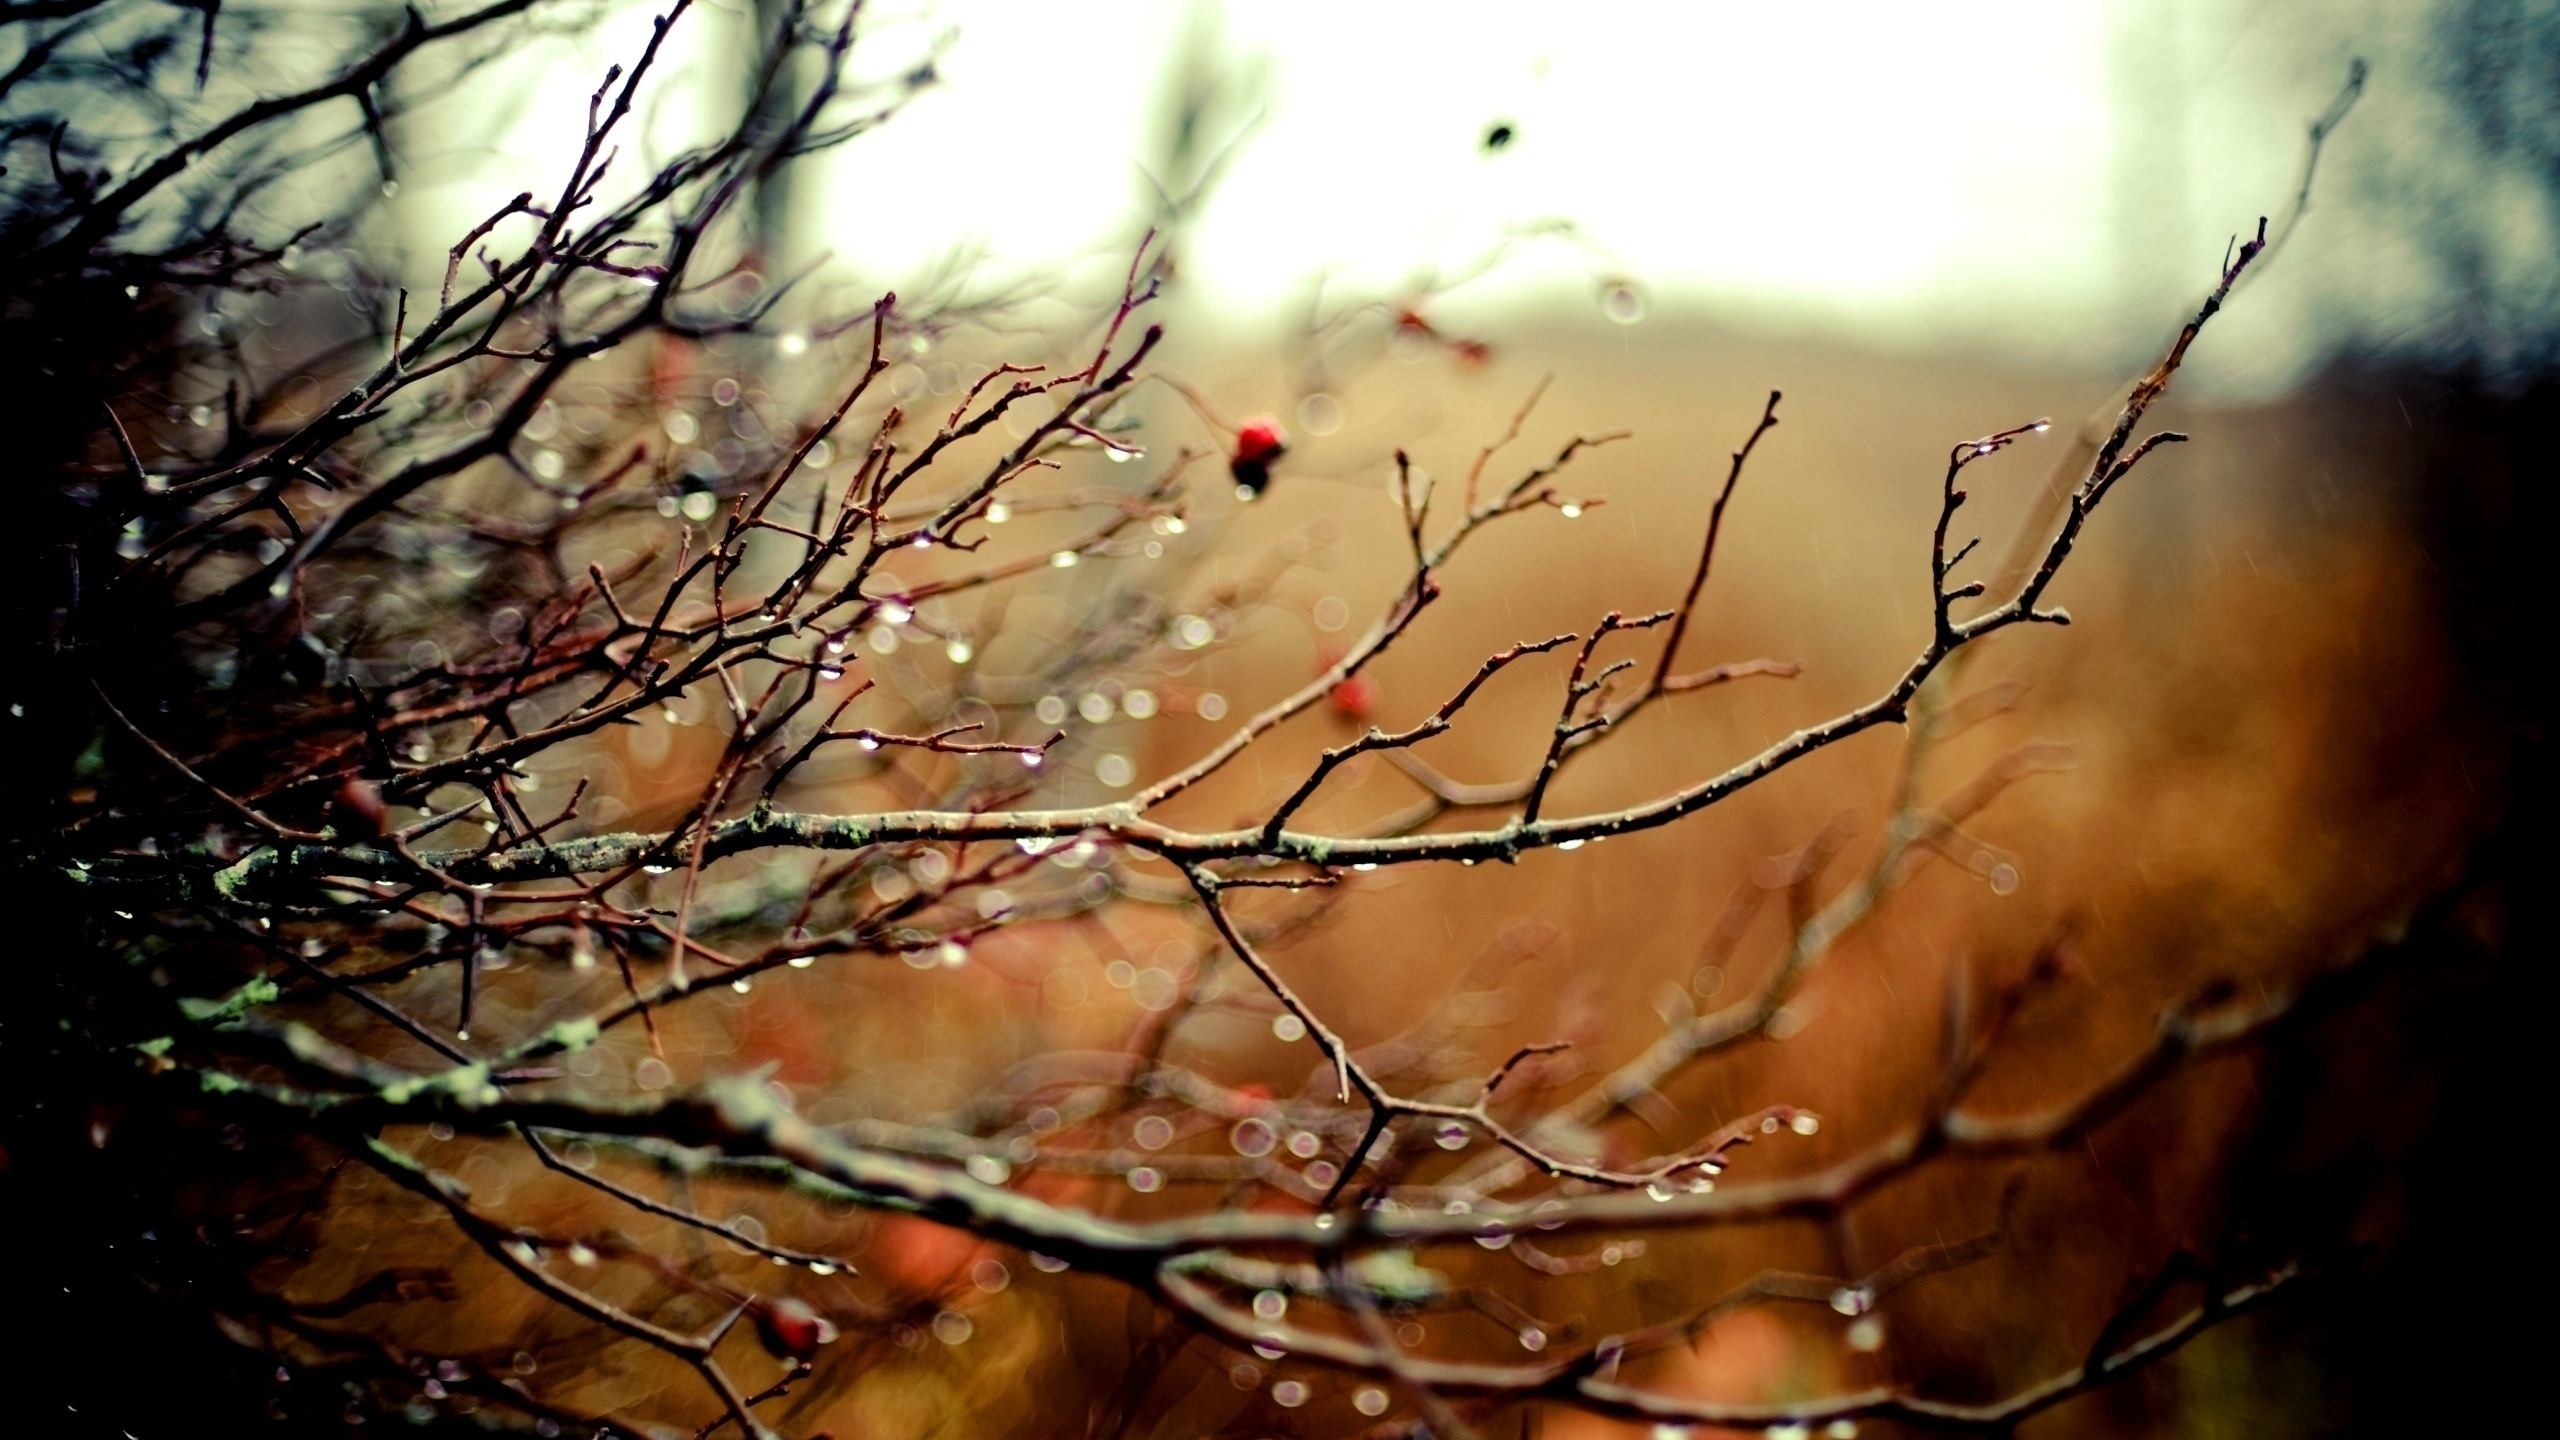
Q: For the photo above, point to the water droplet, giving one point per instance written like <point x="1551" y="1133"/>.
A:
<point x="1852" y="1299"/>
<point x="742" y="985"/>
<point x="1252" y="1138"/>
<point x="1146" y="1179"/>
<point x="1154" y="1132"/>
<point x="580" y="1253"/>
<point x="2004" y="879"/>
<point x="1047" y="1264"/>
<point x="1190" y="632"/>
<point x="1451" y="1135"/>
<point x="1270" y="1305"/>
<point x="1848" y="1429"/>
<point x="990" y="1276"/>
<point x="952" y="954"/>
<point x="1658" y="1192"/>
<point x="1320" y="414"/>
<point x="1211" y="705"/>
<point x="1289" y="1028"/>
<point x="1066" y="560"/>
<point x="1369" y="1400"/>
<point x="1867" y="1336"/>
<point x="1532" y="1338"/>
<point x="1289" y="1394"/>
<point x="1051" y="709"/>
<point x="1571" y="510"/>
<point x="987" y="1169"/>
<point x="1769" y="1125"/>
<point x="1805" y="1124"/>
<point x="1138" y="704"/>
<point x="801" y="962"/>
<point x="960" y="651"/>
<point x="953" y="1328"/>
<point x="1790" y="1431"/>
<point x="1305" y="1144"/>
<point x="1622" y="302"/>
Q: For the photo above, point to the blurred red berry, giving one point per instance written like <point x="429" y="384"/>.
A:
<point x="1354" y="698"/>
<point x="791" y="1329"/>
<point x="358" y="807"/>
<point x="1259" y="441"/>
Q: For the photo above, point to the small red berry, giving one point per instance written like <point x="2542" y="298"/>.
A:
<point x="359" y="807"/>
<point x="1259" y="441"/>
<point x="1354" y="698"/>
<point x="791" y="1329"/>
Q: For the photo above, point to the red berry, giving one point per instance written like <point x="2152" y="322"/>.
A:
<point x="1259" y="441"/>
<point x="791" y="1329"/>
<point x="359" y="806"/>
<point x="1355" y="697"/>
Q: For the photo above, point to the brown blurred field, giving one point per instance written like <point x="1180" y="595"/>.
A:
<point x="2278" y="750"/>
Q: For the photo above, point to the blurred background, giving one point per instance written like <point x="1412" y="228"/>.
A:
<point x="2037" y="183"/>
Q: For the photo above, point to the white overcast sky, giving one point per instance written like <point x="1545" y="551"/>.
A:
<point x="2009" y="169"/>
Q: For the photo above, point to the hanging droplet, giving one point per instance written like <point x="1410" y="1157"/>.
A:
<point x="1622" y="302"/>
<point x="1253" y="1138"/>
<point x="1451" y="1136"/>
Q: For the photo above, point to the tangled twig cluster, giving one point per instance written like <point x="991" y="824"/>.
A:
<point x="510" y="553"/>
